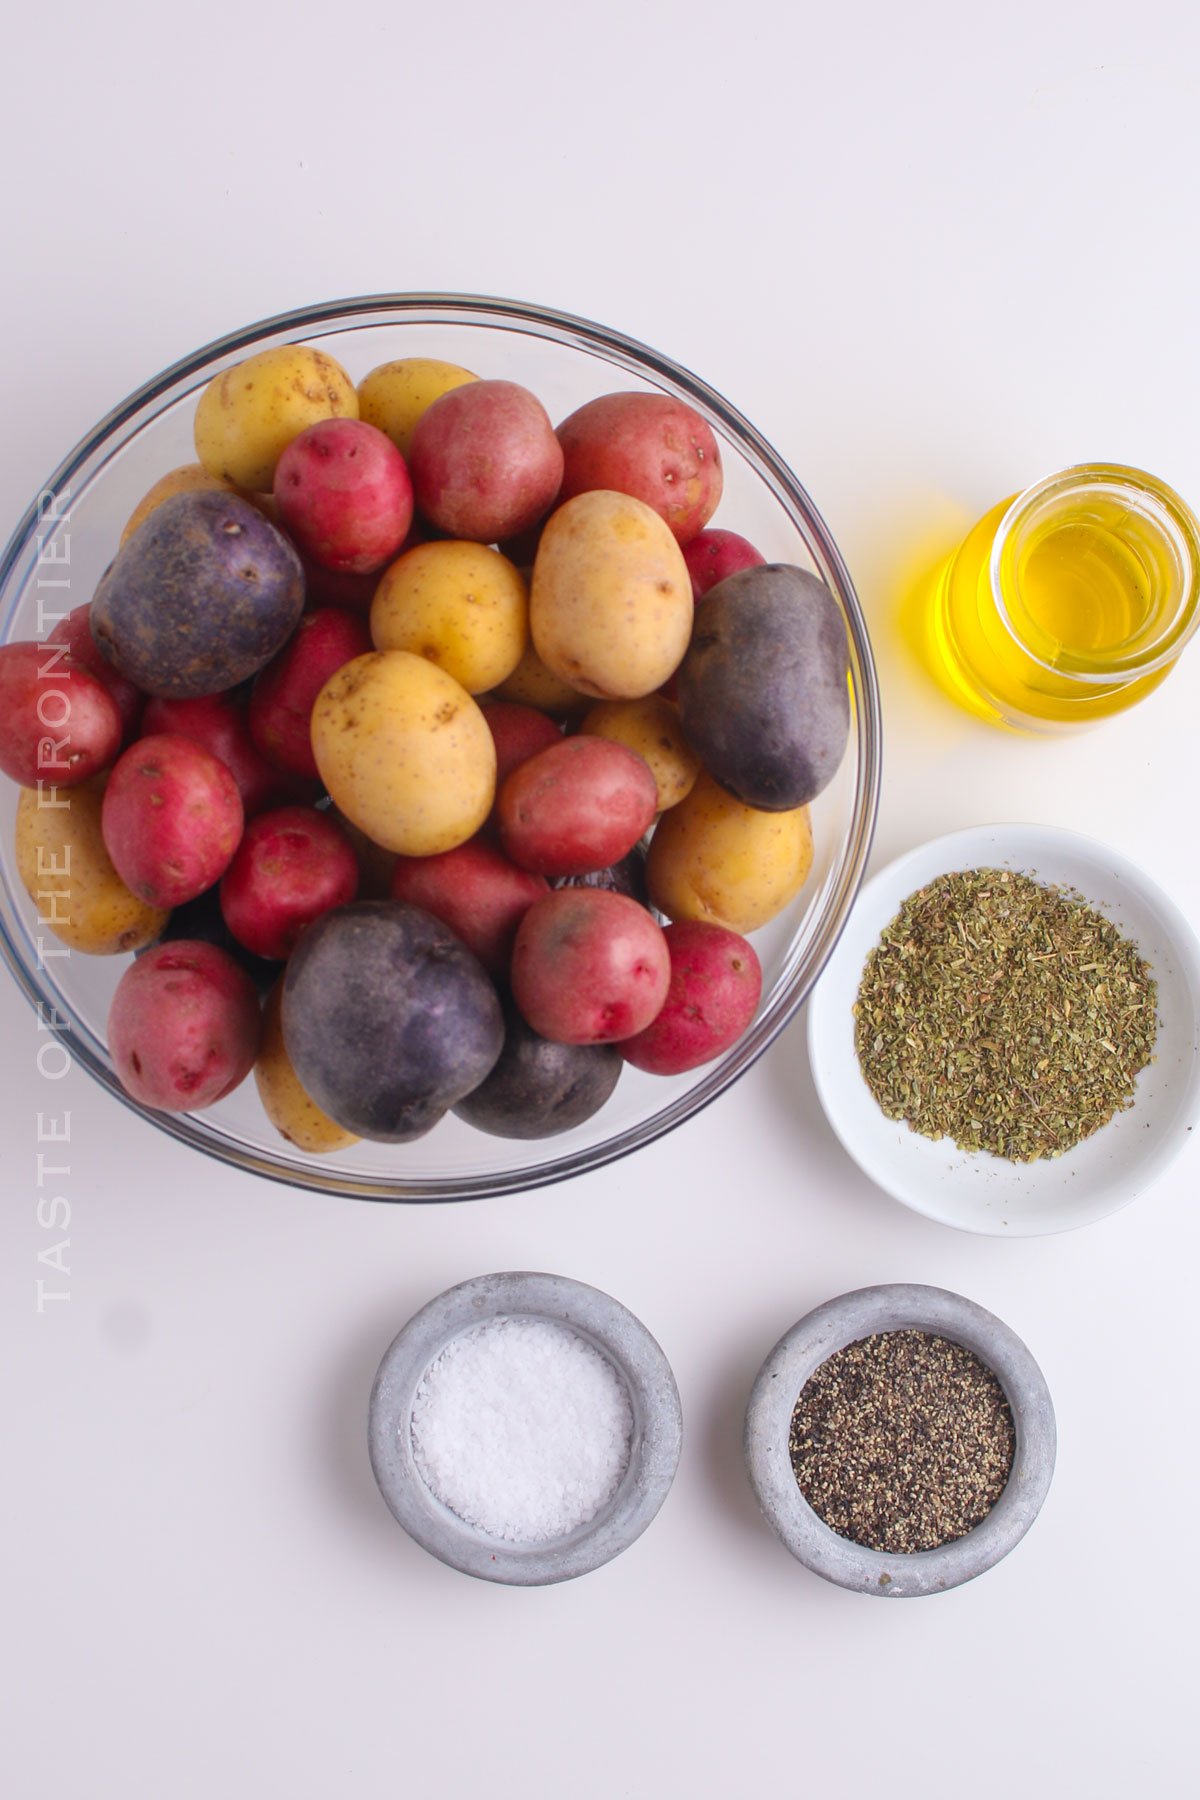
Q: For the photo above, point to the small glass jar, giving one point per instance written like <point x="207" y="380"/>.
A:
<point x="1072" y="600"/>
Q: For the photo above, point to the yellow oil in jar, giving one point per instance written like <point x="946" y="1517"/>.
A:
<point x="1069" y="603"/>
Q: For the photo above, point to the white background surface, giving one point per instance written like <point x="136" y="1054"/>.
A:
<point x="934" y="251"/>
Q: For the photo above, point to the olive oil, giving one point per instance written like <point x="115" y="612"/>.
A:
<point x="1071" y="601"/>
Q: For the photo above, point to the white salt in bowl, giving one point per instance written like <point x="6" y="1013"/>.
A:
<point x="608" y="1328"/>
<point x="974" y="1190"/>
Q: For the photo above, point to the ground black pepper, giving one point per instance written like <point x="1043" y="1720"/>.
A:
<point x="902" y="1441"/>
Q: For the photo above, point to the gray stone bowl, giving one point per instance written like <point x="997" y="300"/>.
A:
<point x="830" y="1328"/>
<point x="654" y="1449"/>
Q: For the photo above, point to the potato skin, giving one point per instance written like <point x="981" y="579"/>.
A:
<point x="711" y="858"/>
<point x="395" y="395"/>
<point x="713" y="555"/>
<point x="172" y="818"/>
<point x="388" y="1019"/>
<point x="651" y="728"/>
<point x="610" y="605"/>
<point x="69" y="875"/>
<point x="191" y="478"/>
<point x="200" y="598"/>
<point x="404" y="753"/>
<point x="539" y="1089"/>
<point x="716" y="983"/>
<point x="285" y="692"/>
<point x="58" y="722"/>
<point x="589" y="967"/>
<point x="343" y="494"/>
<point x="291" y="866"/>
<point x="485" y="462"/>
<point x="651" y="446"/>
<point x="518" y="733"/>
<point x="763" y="689"/>
<point x="576" y="807"/>
<point x="183" y="1027"/>
<point x="294" y="1113"/>
<point x="475" y="890"/>
<point x="219" y="723"/>
<point x="75" y="631"/>
<point x="461" y="604"/>
<point x="533" y="684"/>
<point x="246" y="418"/>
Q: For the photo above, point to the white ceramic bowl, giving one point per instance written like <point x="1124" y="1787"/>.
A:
<point x="972" y="1189"/>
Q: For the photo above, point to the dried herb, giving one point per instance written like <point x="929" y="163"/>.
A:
<point x="1005" y="1014"/>
<point x="902" y="1441"/>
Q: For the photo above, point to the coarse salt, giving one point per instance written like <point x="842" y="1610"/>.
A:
<point x="522" y="1428"/>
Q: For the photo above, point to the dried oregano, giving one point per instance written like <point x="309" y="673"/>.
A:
<point x="1005" y="1014"/>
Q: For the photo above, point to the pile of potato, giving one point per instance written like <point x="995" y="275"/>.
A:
<point x="369" y="720"/>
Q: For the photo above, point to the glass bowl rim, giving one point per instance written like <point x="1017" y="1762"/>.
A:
<point x="618" y="349"/>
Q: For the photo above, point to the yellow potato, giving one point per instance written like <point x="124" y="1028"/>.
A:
<point x="610" y="607"/>
<point x="650" y="727"/>
<point x="463" y="606"/>
<point x="247" y="417"/>
<point x="532" y="684"/>
<point x="404" y="752"/>
<point x="294" y="1113"/>
<point x="712" y="858"/>
<point x="68" y="874"/>
<point x="192" y="478"/>
<point x="393" y="396"/>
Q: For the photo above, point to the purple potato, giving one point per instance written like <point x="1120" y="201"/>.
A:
<point x="539" y="1089"/>
<point x="388" y="1019"/>
<point x="201" y="597"/>
<point x="763" y="691"/>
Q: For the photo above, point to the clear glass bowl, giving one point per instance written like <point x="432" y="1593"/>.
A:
<point x="565" y="361"/>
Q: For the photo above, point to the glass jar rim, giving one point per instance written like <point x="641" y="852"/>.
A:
<point x="1176" y="519"/>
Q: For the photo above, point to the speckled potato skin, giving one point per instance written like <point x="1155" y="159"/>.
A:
<point x="394" y="396"/>
<point x="650" y="445"/>
<point x="461" y="604"/>
<point x="200" y="599"/>
<point x="610" y="606"/>
<point x="533" y="684"/>
<point x="69" y="875"/>
<point x="712" y="858"/>
<point x="293" y="1112"/>
<point x="192" y="478"/>
<point x="651" y="728"/>
<point x="405" y="752"/>
<point x="247" y="417"/>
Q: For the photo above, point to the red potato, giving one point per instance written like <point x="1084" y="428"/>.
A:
<point x="518" y="733"/>
<point x="334" y="587"/>
<point x="589" y="967"/>
<point x="281" y="702"/>
<point x="58" y="722"/>
<point x="75" y="631"/>
<point x="485" y="462"/>
<point x="648" y="445"/>
<point x="343" y="493"/>
<point x="290" y="867"/>
<point x="576" y="807"/>
<point x="171" y="819"/>
<point x="714" y="555"/>
<point x="218" y="723"/>
<point x="184" y="1026"/>
<point x="477" y="892"/>
<point x="375" y="864"/>
<point x="716" y="983"/>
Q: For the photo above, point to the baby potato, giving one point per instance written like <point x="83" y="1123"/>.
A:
<point x="651" y="728"/>
<point x="533" y="684"/>
<point x="611" y="602"/>
<point x="463" y="606"/>
<point x="712" y="858"/>
<point x="192" y="478"/>
<point x="405" y="752"/>
<point x="69" y="875"/>
<point x="247" y="417"/>
<point x="393" y="396"/>
<point x="293" y="1112"/>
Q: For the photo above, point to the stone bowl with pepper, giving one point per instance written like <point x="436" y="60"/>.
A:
<point x="1007" y="1038"/>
